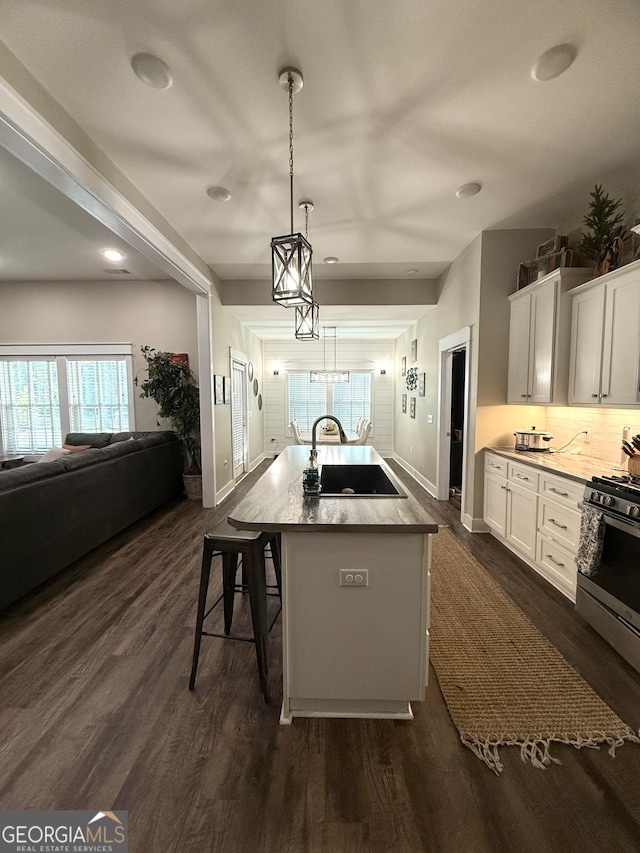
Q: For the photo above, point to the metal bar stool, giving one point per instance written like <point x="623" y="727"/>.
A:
<point x="250" y="544"/>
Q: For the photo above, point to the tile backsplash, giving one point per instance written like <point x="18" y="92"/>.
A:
<point x="606" y="427"/>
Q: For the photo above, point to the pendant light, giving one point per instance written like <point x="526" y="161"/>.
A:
<point x="291" y="253"/>
<point x="329" y="376"/>
<point x="307" y="316"/>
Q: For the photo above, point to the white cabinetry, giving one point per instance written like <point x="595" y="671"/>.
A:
<point x="510" y="503"/>
<point x="537" y="515"/>
<point x="539" y="330"/>
<point x="605" y="340"/>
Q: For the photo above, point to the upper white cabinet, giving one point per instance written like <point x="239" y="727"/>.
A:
<point x="539" y="331"/>
<point x="605" y="340"/>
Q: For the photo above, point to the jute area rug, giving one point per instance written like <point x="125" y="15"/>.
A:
<point x="504" y="683"/>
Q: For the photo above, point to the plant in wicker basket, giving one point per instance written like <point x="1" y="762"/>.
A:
<point x="172" y="385"/>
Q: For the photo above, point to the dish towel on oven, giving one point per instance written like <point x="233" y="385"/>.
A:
<point x="591" y="539"/>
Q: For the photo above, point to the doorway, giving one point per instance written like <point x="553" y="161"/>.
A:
<point x="458" y="365"/>
<point x="453" y="415"/>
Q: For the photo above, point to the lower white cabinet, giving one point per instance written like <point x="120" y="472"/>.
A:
<point x="537" y="515"/>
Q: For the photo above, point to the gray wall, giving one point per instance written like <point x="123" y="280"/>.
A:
<point x="161" y="314"/>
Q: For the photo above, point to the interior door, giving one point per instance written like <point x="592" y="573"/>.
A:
<point x="240" y="444"/>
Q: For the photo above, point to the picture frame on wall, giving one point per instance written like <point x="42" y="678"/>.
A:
<point x="413" y="407"/>
<point x="422" y="384"/>
<point x="404" y="366"/>
<point x="414" y="350"/>
<point x="218" y="390"/>
<point x="226" y="385"/>
<point x="404" y="404"/>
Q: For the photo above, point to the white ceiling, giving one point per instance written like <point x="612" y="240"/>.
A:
<point x="402" y="103"/>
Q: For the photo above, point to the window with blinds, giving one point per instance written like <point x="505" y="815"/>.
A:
<point x="98" y="395"/>
<point x="347" y="401"/>
<point x="29" y="405"/>
<point x="352" y="400"/>
<point x="42" y="399"/>
<point x="307" y="400"/>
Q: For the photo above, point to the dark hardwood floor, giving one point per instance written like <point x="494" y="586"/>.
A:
<point x="95" y="714"/>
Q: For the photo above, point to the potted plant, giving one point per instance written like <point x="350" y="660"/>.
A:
<point x="173" y="386"/>
<point x="604" y="221"/>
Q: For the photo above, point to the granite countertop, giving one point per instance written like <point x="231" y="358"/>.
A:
<point x="276" y="502"/>
<point x="574" y="466"/>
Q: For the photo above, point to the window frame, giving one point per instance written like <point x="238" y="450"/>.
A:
<point x="329" y="390"/>
<point x="60" y="353"/>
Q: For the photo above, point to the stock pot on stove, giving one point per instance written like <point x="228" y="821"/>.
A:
<point x="532" y="439"/>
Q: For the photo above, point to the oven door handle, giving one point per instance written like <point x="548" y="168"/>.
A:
<point x="627" y="526"/>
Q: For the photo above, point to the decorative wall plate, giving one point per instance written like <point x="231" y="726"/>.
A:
<point x="260" y="402"/>
<point x="250" y="371"/>
<point x="412" y="378"/>
<point x="255" y="387"/>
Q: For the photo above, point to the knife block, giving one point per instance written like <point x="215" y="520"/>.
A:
<point x="633" y="466"/>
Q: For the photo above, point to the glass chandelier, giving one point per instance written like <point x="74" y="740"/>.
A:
<point x="307" y="316"/>
<point x="324" y="375"/>
<point x="291" y="253"/>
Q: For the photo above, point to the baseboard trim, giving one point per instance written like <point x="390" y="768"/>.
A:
<point x="225" y="492"/>
<point x="417" y="476"/>
<point x="474" y="525"/>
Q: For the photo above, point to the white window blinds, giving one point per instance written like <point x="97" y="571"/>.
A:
<point x="348" y="401"/>
<point x="98" y="398"/>
<point x="29" y="405"/>
<point x="307" y="400"/>
<point x="352" y="400"/>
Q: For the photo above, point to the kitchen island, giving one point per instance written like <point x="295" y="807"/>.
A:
<point x="355" y="589"/>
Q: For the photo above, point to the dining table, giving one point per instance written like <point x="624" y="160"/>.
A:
<point x="330" y="437"/>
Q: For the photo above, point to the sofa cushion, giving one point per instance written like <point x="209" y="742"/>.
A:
<point x="23" y="475"/>
<point x="93" y="439"/>
<point x="148" y="439"/>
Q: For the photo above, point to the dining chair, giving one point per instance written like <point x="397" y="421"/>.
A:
<point x="364" y="435"/>
<point x="295" y="432"/>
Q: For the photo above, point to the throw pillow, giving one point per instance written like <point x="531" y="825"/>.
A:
<point x="54" y="453"/>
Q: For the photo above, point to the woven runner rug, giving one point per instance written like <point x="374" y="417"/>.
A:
<point x="504" y="683"/>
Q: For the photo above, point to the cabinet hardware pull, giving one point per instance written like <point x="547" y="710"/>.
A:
<point x="520" y="476"/>
<point x="594" y="395"/>
<point x="605" y="395"/>
<point x="558" y="492"/>
<point x="523" y="395"/>
<point x="549" y="557"/>
<point x="561" y="526"/>
<point x="493" y="465"/>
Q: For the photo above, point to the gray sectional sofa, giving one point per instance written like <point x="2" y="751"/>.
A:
<point x="52" y="513"/>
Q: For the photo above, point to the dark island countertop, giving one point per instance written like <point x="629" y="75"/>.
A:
<point x="277" y="504"/>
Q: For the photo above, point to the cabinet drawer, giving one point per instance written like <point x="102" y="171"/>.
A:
<point x="557" y="563"/>
<point x="561" y="489"/>
<point x="523" y="475"/>
<point x="495" y="464"/>
<point x="559" y="523"/>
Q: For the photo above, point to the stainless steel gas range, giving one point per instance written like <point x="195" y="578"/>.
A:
<point x="609" y="595"/>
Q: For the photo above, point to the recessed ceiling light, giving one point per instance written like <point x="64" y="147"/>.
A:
<point x="151" y="70"/>
<point x="112" y="255"/>
<point x="218" y="193"/>
<point x="468" y="190"/>
<point x="553" y="62"/>
<point x="412" y="272"/>
<point x="331" y="259"/>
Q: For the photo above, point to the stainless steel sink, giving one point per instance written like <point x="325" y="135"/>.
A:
<point x="358" y="481"/>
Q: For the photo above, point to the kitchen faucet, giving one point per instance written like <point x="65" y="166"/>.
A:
<point x="314" y="453"/>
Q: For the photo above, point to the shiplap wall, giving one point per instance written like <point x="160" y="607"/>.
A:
<point x="309" y="355"/>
